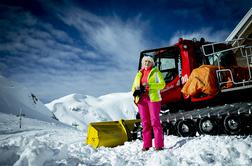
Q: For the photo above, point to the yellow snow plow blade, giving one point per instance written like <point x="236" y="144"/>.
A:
<point x="110" y="134"/>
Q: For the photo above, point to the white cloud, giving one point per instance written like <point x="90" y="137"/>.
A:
<point x="121" y="40"/>
<point x="207" y="33"/>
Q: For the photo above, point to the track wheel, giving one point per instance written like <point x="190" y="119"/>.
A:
<point x="208" y="126"/>
<point x="186" y="128"/>
<point x="168" y="128"/>
<point x="232" y="124"/>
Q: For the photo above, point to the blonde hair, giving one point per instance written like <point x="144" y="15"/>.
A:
<point x="147" y="58"/>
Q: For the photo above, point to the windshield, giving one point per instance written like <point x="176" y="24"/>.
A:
<point x="166" y="59"/>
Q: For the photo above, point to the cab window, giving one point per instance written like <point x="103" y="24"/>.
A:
<point x="168" y="68"/>
<point x="166" y="59"/>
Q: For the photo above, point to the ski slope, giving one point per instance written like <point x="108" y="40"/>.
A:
<point x="16" y="99"/>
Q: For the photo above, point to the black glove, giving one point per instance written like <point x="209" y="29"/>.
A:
<point x="136" y="93"/>
<point x="142" y="89"/>
<point x="139" y="92"/>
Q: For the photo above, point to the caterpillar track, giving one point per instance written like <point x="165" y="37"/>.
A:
<point x="231" y="119"/>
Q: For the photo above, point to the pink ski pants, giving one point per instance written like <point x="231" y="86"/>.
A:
<point x="149" y="113"/>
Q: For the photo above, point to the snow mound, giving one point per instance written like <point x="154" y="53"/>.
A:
<point x="16" y="99"/>
<point x="79" y="110"/>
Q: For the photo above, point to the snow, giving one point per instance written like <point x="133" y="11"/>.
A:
<point x="82" y="109"/>
<point x="43" y="143"/>
<point x="36" y="143"/>
<point x="16" y="99"/>
<point x="47" y="142"/>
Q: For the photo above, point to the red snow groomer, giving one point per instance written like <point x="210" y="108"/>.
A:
<point x="208" y="86"/>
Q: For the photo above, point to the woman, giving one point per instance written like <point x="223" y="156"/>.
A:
<point x="146" y="91"/>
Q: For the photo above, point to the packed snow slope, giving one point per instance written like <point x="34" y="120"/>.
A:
<point x="41" y="143"/>
<point x="82" y="109"/>
<point x="16" y="99"/>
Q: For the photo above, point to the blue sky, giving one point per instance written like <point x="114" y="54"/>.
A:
<point x="91" y="47"/>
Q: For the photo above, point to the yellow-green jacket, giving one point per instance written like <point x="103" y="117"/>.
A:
<point x="155" y="81"/>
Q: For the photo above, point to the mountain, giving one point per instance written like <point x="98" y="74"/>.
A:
<point x="80" y="110"/>
<point x="16" y="99"/>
